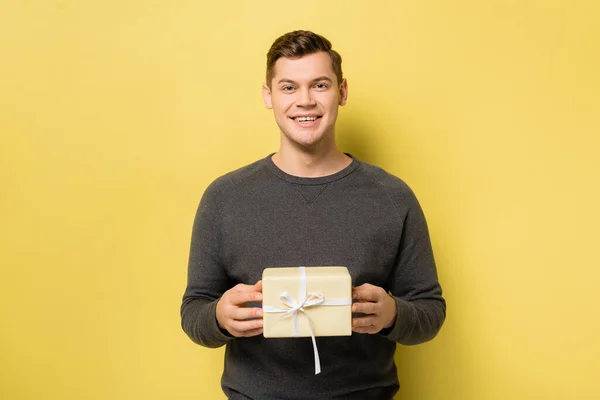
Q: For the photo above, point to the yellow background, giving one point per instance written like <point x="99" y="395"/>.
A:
<point x="115" y="115"/>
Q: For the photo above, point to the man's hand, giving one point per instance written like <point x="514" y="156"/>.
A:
<point x="379" y="309"/>
<point x="232" y="314"/>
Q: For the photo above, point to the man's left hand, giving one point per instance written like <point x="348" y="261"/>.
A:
<point x="378" y="306"/>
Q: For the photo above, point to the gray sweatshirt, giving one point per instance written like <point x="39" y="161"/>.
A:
<point x="362" y="218"/>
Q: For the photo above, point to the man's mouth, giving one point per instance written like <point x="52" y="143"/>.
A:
<point x="306" y="119"/>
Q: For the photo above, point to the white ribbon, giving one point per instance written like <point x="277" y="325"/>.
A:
<point x="306" y="300"/>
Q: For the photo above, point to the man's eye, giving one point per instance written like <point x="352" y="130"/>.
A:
<point x="321" y="86"/>
<point x="287" y="88"/>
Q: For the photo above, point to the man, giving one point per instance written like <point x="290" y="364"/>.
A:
<point x="310" y="204"/>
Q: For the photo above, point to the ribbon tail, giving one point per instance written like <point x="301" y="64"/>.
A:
<point x="295" y="324"/>
<point x="317" y="360"/>
<point x="315" y="350"/>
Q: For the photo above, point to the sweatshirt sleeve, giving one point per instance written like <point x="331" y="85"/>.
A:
<point x="207" y="279"/>
<point x="421" y="309"/>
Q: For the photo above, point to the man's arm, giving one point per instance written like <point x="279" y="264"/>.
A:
<point x="207" y="279"/>
<point x="416" y="310"/>
<point x="213" y="312"/>
<point x="420" y="307"/>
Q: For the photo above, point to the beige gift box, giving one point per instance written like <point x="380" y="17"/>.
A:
<point x="292" y="296"/>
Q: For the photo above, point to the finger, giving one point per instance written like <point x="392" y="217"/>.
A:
<point x="363" y="321"/>
<point x="253" y="332"/>
<point x="366" y="329"/>
<point x="258" y="286"/>
<point x="241" y="313"/>
<point x="240" y="298"/>
<point x="367" y="292"/>
<point x="365" y="308"/>
<point x="241" y="327"/>
<point x="240" y="287"/>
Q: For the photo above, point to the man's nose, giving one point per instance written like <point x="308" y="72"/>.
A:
<point x="305" y="98"/>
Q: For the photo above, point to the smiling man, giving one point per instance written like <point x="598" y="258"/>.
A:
<point x="304" y="94"/>
<point x="310" y="204"/>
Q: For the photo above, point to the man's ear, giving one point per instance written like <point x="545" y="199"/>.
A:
<point x="343" y="92"/>
<point x="266" y="93"/>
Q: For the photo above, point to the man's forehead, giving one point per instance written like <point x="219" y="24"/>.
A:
<point x="307" y="67"/>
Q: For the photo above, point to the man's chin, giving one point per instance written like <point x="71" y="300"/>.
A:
<point x="309" y="147"/>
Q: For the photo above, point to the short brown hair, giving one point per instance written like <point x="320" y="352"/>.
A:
<point x="297" y="44"/>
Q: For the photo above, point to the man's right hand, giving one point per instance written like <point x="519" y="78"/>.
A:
<point x="234" y="316"/>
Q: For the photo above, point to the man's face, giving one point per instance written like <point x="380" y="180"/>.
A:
<point x="305" y="96"/>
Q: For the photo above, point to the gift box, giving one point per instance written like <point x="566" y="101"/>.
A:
<point x="307" y="301"/>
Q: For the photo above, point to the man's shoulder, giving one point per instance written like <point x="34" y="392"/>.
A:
<point x="395" y="188"/>
<point x="383" y="178"/>
<point x="227" y="182"/>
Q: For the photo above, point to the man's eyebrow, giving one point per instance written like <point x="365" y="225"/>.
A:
<point x="320" y="78"/>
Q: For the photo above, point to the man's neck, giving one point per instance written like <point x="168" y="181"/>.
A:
<point x="310" y="164"/>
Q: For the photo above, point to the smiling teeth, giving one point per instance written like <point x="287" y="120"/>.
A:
<point x="305" y="119"/>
